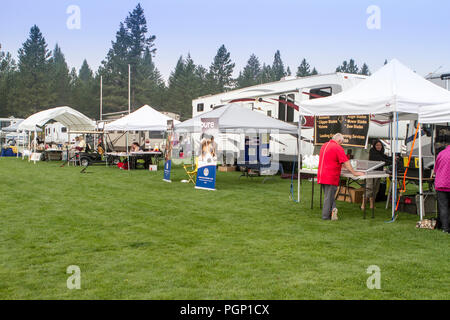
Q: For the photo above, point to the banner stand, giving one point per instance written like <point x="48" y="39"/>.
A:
<point x="207" y="160"/>
<point x="168" y="151"/>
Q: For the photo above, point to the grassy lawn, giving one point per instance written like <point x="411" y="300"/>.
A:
<point x="136" y="237"/>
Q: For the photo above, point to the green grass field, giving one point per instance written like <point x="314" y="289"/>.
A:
<point x="136" y="237"/>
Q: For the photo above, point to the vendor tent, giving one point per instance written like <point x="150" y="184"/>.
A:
<point x="393" y="90"/>
<point x="143" y="119"/>
<point x="234" y="116"/>
<point x="67" y="116"/>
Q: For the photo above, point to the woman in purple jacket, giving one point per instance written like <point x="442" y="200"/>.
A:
<point x="442" y="185"/>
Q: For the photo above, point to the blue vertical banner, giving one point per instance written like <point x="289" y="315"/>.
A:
<point x="168" y="151"/>
<point x="207" y="160"/>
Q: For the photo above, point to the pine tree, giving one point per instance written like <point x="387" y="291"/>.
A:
<point x="385" y="61"/>
<point x="251" y="74"/>
<point x="266" y="74"/>
<point x="34" y="83"/>
<point x="314" y="72"/>
<point x="85" y="91"/>
<point x="278" y="70"/>
<point x="135" y="47"/>
<point x="139" y="42"/>
<point x="288" y="71"/>
<point x="352" y="67"/>
<point x="303" y="69"/>
<point x="85" y="73"/>
<point x="365" y="70"/>
<point x="221" y="70"/>
<point x="150" y="89"/>
<point x="7" y="82"/>
<point x="60" y="78"/>
<point x="348" y="67"/>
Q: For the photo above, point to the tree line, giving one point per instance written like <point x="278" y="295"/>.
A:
<point x="41" y="78"/>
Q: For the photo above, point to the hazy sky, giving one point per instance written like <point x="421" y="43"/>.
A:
<point x="326" y="32"/>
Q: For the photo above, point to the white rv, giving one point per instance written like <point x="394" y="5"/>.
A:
<point x="56" y="133"/>
<point x="263" y="98"/>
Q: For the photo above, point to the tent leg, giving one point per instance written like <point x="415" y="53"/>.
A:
<point x="420" y="173"/>
<point x="299" y="155"/>
<point x="394" y="166"/>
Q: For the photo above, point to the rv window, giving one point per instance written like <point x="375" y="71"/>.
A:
<point x="290" y="110"/>
<point x="320" y="92"/>
<point x="269" y="113"/>
<point x="200" y="107"/>
<point x="281" y="109"/>
<point x="156" y="134"/>
<point x="63" y="129"/>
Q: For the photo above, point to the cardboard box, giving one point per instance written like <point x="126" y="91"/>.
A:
<point x="351" y="195"/>
<point x="227" y="168"/>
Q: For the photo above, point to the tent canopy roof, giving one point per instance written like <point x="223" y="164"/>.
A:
<point x="13" y="128"/>
<point x="234" y="116"/>
<point x="67" y="116"/>
<point x="392" y="88"/>
<point x="143" y="119"/>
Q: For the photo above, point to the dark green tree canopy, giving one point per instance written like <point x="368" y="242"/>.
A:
<point x="251" y="75"/>
<point x="278" y="70"/>
<point x="221" y="70"/>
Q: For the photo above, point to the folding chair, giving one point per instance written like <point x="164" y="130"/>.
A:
<point x="193" y="173"/>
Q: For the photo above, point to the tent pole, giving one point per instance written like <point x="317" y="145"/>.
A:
<point x="394" y="167"/>
<point x="420" y="172"/>
<point x="35" y="143"/>
<point x="29" y="146"/>
<point x="299" y="153"/>
<point x="128" y="154"/>
<point x="101" y="98"/>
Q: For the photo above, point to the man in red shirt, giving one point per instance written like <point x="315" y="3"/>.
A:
<point x="332" y="157"/>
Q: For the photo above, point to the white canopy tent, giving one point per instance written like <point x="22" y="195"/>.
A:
<point x="394" y="90"/>
<point x="143" y="119"/>
<point x="234" y="116"/>
<point x="70" y="118"/>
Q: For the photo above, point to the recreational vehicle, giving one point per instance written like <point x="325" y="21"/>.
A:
<point x="268" y="99"/>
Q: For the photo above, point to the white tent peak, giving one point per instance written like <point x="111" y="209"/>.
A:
<point x="70" y="118"/>
<point x="145" y="118"/>
<point x="234" y="116"/>
<point x="392" y="88"/>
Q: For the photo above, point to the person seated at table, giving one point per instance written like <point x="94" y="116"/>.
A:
<point x="135" y="147"/>
<point x="331" y="159"/>
<point x="376" y="153"/>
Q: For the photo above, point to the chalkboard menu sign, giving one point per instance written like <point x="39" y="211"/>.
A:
<point x="353" y="128"/>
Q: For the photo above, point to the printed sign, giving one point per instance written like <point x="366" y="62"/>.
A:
<point x="207" y="160"/>
<point x="168" y="151"/>
<point x="353" y="128"/>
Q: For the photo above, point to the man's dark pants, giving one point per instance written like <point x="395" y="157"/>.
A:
<point x="329" y="203"/>
<point x="443" y="204"/>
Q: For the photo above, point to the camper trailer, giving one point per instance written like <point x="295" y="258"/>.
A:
<point x="263" y="98"/>
<point x="56" y="133"/>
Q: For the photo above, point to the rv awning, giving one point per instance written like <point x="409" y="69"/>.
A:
<point x="233" y="116"/>
<point x="393" y="88"/>
<point x="143" y="119"/>
<point x="70" y="118"/>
